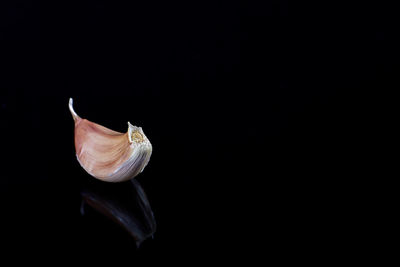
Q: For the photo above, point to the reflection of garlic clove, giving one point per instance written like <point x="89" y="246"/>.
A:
<point x="125" y="204"/>
<point x="108" y="155"/>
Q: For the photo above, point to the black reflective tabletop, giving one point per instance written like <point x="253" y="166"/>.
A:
<point x="259" y="114"/>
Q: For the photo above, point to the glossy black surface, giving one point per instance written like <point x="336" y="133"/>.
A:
<point x="259" y="115"/>
<point x="124" y="203"/>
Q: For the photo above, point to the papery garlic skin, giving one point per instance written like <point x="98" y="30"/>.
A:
<point x="109" y="155"/>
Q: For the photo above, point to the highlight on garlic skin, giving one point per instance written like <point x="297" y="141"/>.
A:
<point x="108" y="155"/>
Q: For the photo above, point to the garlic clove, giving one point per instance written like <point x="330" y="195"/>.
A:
<point x="109" y="155"/>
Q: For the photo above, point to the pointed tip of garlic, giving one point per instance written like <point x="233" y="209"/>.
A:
<point x="71" y="108"/>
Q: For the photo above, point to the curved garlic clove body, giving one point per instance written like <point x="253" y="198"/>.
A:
<point x="109" y="155"/>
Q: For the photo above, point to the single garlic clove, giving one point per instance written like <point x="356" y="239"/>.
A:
<point x="109" y="155"/>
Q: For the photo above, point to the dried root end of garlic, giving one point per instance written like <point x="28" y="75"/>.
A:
<point x="109" y="155"/>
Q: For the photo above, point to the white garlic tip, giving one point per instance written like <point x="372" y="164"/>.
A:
<point x="71" y="108"/>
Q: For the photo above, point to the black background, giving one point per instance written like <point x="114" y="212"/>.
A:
<point x="254" y="111"/>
